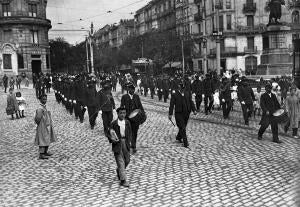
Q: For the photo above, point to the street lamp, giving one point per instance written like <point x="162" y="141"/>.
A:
<point x="218" y="6"/>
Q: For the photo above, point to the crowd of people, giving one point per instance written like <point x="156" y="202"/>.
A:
<point x="85" y="92"/>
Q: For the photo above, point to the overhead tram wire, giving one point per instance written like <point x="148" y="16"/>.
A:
<point x="110" y="11"/>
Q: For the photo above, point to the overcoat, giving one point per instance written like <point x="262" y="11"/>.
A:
<point x="44" y="132"/>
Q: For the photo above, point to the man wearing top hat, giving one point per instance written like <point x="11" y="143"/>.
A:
<point x="130" y="102"/>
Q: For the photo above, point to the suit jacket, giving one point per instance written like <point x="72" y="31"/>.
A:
<point x="177" y="102"/>
<point x="106" y="101"/>
<point x="131" y="105"/>
<point x="246" y="94"/>
<point x="116" y="147"/>
<point x="269" y="104"/>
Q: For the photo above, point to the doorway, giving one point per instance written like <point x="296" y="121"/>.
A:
<point x="36" y="66"/>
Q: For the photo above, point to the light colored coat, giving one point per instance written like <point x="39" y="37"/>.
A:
<point x="293" y="107"/>
<point x="44" y="132"/>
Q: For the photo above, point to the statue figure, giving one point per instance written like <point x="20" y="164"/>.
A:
<point x="275" y="10"/>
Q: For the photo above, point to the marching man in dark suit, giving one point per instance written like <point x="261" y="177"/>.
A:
<point x="269" y="104"/>
<point x="107" y="105"/>
<point x="181" y="100"/>
<point x="130" y="102"/>
<point x="120" y="137"/>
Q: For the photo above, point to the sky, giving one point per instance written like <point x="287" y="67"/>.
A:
<point x="77" y="15"/>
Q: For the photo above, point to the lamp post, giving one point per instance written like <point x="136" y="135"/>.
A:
<point x="218" y="37"/>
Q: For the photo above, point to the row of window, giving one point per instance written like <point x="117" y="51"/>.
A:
<point x="7" y="61"/>
<point x="34" y="36"/>
<point x="6" y="10"/>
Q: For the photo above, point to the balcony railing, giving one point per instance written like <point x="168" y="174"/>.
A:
<point x="198" y="17"/>
<point x="227" y="51"/>
<point x="250" y="50"/>
<point x="249" y="8"/>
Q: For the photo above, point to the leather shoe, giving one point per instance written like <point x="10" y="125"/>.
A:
<point x="278" y="142"/>
<point x="48" y="154"/>
<point x="124" y="183"/>
<point x="134" y="150"/>
<point x="259" y="138"/>
<point x="43" y="157"/>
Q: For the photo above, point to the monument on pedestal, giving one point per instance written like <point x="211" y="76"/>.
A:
<point x="276" y="58"/>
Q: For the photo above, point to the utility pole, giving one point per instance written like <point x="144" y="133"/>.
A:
<point x="218" y="41"/>
<point x="87" y="54"/>
<point x="183" y="60"/>
<point x="91" y="49"/>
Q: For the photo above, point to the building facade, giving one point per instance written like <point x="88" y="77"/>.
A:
<point x="157" y="15"/>
<point x="24" y="44"/>
<point x="114" y="35"/>
<point x="241" y="25"/>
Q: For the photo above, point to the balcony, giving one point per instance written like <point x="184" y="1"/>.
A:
<point x="250" y="30"/>
<point x="249" y="50"/>
<point x="25" y="21"/>
<point x="249" y="8"/>
<point x="225" y="52"/>
<point x="198" y="17"/>
<point x="295" y="3"/>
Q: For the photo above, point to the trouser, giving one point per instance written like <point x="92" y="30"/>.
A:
<point x="208" y="105"/>
<point x="152" y="92"/>
<point x="198" y="101"/>
<point x="181" y="122"/>
<point x="295" y="131"/>
<point x="226" y="106"/>
<point x="107" y="117"/>
<point x="71" y="108"/>
<point x="122" y="159"/>
<point x="48" y="89"/>
<point x="18" y="85"/>
<point x="5" y="89"/>
<point x="93" y="113"/>
<point x="79" y="111"/>
<point x="166" y="95"/>
<point x="134" y="128"/>
<point x="159" y="94"/>
<point x="57" y="97"/>
<point x="265" y="124"/>
<point x="247" y="111"/>
<point x="145" y="92"/>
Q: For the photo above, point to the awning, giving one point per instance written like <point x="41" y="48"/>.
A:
<point x="173" y="65"/>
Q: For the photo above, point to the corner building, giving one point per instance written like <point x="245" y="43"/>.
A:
<point x="24" y="43"/>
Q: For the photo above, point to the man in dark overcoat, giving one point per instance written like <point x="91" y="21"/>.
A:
<point x="181" y="100"/>
<point x="91" y="101"/>
<point x="208" y="90"/>
<point x="246" y="98"/>
<point x="269" y="104"/>
<point x="225" y="97"/>
<point x="197" y="89"/>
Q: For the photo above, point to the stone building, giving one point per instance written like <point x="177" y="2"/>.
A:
<point x="157" y="15"/>
<point x="242" y="25"/>
<point x="24" y="45"/>
<point x="114" y="35"/>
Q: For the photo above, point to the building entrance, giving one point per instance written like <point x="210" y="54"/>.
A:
<point x="36" y="66"/>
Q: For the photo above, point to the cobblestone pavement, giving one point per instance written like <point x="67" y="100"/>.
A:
<point x="226" y="165"/>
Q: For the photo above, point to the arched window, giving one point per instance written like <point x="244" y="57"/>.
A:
<point x="251" y="65"/>
<point x="295" y="17"/>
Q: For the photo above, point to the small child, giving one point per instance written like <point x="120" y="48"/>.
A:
<point x="257" y="95"/>
<point x="22" y="104"/>
<point x="217" y="104"/>
<point x="12" y="104"/>
<point x="26" y="82"/>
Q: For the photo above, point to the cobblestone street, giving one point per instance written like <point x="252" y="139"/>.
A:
<point x="227" y="165"/>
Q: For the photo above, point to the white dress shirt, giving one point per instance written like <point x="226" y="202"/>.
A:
<point x="122" y="127"/>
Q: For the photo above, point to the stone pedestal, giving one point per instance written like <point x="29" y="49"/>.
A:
<point x="276" y="58"/>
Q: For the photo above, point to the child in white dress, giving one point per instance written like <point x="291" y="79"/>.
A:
<point x="217" y="100"/>
<point x="22" y="104"/>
